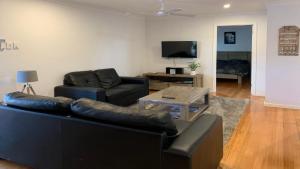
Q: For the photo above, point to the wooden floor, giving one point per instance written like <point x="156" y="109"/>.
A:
<point x="266" y="138"/>
<point x="8" y="165"/>
<point x="230" y="88"/>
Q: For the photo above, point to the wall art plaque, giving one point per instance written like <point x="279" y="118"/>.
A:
<point x="289" y="41"/>
<point x="6" y="46"/>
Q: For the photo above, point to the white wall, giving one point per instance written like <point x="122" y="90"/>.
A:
<point x="283" y="82"/>
<point x="56" y="38"/>
<point x="202" y="29"/>
<point x="243" y="39"/>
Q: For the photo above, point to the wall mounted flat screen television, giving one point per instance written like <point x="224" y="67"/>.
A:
<point x="179" y="49"/>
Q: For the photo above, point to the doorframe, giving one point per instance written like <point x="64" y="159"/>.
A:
<point x="253" y="53"/>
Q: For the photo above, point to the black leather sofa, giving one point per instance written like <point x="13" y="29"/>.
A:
<point x="103" y="85"/>
<point x="59" y="133"/>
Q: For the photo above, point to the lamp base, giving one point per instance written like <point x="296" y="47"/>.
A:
<point x="28" y="88"/>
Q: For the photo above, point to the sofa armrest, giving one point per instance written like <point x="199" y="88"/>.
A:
<point x="80" y="92"/>
<point x="137" y="80"/>
<point x="199" y="146"/>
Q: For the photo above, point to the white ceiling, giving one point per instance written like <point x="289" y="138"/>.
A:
<point x="195" y="7"/>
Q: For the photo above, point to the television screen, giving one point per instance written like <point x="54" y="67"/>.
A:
<point x="179" y="49"/>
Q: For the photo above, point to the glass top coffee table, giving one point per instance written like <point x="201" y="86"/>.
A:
<point x="185" y="103"/>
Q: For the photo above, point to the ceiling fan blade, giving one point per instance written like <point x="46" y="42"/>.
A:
<point x="175" y="10"/>
<point x="164" y="12"/>
<point x="184" y="15"/>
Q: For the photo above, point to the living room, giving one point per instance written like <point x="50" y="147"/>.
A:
<point x="55" y="38"/>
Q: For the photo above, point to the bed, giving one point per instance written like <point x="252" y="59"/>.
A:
<point x="233" y="65"/>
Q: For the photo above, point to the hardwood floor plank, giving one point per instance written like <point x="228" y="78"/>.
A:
<point x="266" y="138"/>
<point x="8" y="165"/>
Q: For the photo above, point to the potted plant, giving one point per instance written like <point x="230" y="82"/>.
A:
<point x="194" y="66"/>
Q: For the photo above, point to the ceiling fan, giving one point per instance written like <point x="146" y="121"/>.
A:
<point x="164" y="12"/>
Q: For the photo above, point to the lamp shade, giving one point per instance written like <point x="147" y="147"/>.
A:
<point x="27" y="76"/>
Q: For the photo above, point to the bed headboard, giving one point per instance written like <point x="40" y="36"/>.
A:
<point x="222" y="55"/>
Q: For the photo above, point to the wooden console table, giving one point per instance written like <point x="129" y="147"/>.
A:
<point x="159" y="81"/>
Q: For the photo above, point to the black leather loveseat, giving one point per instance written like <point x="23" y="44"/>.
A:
<point x="59" y="133"/>
<point x="103" y="85"/>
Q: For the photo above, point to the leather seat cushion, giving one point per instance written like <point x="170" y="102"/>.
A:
<point x="54" y="105"/>
<point x="123" y="90"/>
<point x="108" y="78"/>
<point x="104" y="112"/>
<point x="82" y="79"/>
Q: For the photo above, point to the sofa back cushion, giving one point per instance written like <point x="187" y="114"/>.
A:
<point x="108" y="78"/>
<point x="82" y="79"/>
<point x="104" y="112"/>
<point x="53" y="105"/>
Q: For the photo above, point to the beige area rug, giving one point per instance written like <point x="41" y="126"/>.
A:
<point x="229" y="109"/>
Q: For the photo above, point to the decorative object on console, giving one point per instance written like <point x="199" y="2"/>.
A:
<point x="26" y="77"/>
<point x="174" y="70"/>
<point x="194" y="66"/>
<point x="288" y="41"/>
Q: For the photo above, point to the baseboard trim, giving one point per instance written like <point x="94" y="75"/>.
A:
<point x="268" y="104"/>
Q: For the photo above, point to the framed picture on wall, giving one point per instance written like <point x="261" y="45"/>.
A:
<point x="229" y="38"/>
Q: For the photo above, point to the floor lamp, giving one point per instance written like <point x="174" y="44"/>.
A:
<point x="26" y="77"/>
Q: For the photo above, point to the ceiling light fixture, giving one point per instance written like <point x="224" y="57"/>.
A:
<point x="226" y="6"/>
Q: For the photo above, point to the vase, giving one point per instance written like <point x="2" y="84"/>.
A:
<point x="193" y="73"/>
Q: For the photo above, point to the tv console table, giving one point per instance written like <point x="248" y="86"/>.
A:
<point x="160" y="81"/>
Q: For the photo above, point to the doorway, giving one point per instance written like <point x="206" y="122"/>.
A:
<point x="234" y="60"/>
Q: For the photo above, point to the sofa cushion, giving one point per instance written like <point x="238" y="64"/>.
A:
<point x="123" y="90"/>
<point x="125" y="94"/>
<point x="55" y="105"/>
<point x="104" y="112"/>
<point x="82" y="79"/>
<point x="108" y="78"/>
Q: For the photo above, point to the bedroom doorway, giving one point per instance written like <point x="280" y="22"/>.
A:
<point x="234" y="60"/>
